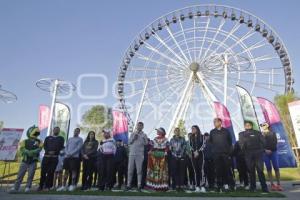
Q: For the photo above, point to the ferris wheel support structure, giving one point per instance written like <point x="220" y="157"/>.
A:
<point x="225" y="79"/>
<point x="176" y="117"/>
<point x="141" y="104"/>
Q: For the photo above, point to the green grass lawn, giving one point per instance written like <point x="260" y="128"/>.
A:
<point x="287" y="174"/>
<point x="238" y="193"/>
<point x="290" y="174"/>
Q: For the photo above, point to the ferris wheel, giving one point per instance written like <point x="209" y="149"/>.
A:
<point x="184" y="60"/>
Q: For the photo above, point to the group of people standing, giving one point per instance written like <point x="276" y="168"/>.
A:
<point x="199" y="162"/>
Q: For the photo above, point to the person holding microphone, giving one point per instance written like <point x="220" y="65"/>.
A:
<point x="137" y="142"/>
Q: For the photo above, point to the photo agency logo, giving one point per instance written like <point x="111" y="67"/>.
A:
<point x="153" y="106"/>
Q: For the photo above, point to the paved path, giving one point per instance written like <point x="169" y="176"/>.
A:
<point x="291" y="192"/>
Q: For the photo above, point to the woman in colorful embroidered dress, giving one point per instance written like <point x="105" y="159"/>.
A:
<point x="157" y="170"/>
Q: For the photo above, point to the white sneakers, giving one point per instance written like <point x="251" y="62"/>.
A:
<point x="72" y="188"/>
<point x="13" y="190"/>
<point x="226" y="187"/>
<point x="191" y="187"/>
<point x="60" y="189"/>
<point x="202" y="190"/>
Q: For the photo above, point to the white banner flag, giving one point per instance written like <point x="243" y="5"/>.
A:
<point x="9" y="142"/>
<point x="294" y="108"/>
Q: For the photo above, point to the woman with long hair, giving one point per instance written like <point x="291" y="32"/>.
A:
<point x="89" y="155"/>
<point x="196" y="143"/>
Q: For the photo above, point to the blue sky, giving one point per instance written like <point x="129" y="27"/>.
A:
<point x="64" y="39"/>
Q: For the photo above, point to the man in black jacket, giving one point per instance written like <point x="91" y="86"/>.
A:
<point x="220" y="139"/>
<point x="252" y="144"/>
<point x="239" y="156"/>
<point x="53" y="144"/>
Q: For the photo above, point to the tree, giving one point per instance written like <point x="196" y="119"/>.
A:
<point x="281" y="102"/>
<point x="96" y="119"/>
<point x="181" y="126"/>
<point x="1" y="125"/>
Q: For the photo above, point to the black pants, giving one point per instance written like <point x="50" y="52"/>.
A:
<point x="198" y="166"/>
<point x="209" y="170"/>
<point x="222" y="164"/>
<point x="254" y="161"/>
<point x="243" y="171"/>
<point x="107" y="171"/>
<point x="178" y="171"/>
<point x="47" y="172"/>
<point x="144" y="170"/>
<point x="191" y="172"/>
<point x="87" y="172"/>
<point x="120" y="171"/>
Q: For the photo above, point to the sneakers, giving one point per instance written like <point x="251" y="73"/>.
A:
<point x="192" y="187"/>
<point x="13" y="190"/>
<point x="226" y="187"/>
<point x="27" y="189"/>
<point x="60" y="189"/>
<point x="127" y="188"/>
<point x="198" y="189"/>
<point x="219" y="190"/>
<point x="279" y="188"/>
<point x="273" y="187"/>
<point x="203" y="190"/>
<point x="247" y="187"/>
<point x="139" y="189"/>
<point x="72" y="188"/>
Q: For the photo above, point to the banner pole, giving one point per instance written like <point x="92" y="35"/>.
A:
<point x="52" y="107"/>
<point x="140" y="106"/>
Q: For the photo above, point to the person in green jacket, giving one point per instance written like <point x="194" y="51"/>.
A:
<point x="30" y="150"/>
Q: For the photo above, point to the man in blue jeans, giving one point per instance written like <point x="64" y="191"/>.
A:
<point x="270" y="156"/>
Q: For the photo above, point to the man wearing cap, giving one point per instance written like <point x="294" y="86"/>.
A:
<point x="137" y="142"/>
<point x="271" y="156"/>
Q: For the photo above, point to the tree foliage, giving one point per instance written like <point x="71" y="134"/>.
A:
<point x="1" y="125"/>
<point x="96" y="119"/>
<point x="181" y="126"/>
<point x="281" y="102"/>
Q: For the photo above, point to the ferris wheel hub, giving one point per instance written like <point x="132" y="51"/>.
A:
<point x="194" y="67"/>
